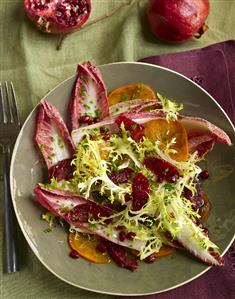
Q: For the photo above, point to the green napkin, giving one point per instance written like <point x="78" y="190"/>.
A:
<point x="29" y="58"/>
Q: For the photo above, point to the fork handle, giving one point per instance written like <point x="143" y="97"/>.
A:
<point x="11" y="259"/>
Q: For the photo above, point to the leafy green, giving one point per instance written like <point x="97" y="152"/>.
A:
<point x="93" y="169"/>
<point x="170" y="108"/>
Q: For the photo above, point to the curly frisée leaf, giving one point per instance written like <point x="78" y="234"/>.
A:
<point x="177" y="217"/>
<point x="124" y="146"/>
<point x="92" y="169"/>
<point x="50" y="219"/>
<point x="131" y="221"/>
<point x="170" y="108"/>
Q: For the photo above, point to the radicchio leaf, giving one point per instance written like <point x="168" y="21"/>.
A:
<point x="202" y="135"/>
<point x="133" y="106"/>
<point x="76" y="210"/>
<point x="195" y="126"/>
<point x="73" y="208"/>
<point x="89" y="96"/>
<point x="78" y="134"/>
<point x="51" y="135"/>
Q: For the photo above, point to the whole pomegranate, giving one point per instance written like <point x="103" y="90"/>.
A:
<point x="58" y="16"/>
<point x="177" y="20"/>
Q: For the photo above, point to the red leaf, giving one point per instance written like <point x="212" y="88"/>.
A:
<point x="51" y="135"/>
<point x="89" y="96"/>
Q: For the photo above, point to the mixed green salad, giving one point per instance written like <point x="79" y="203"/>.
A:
<point x="124" y="174"/>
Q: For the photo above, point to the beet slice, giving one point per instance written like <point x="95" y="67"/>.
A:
<point x="120" y="257"/>
<point x="51" y="135"/>
<point x="136" y="130"/>
<point x="140" y="191"/>
<point x="89" y="97"/>
<point x="63" y="170"/>
<point x="162" y="169"/>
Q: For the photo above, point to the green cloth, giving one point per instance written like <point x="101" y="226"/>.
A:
<point x="29" y="58"/>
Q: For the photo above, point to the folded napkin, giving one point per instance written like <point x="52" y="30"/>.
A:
<point x="213" y="68"/>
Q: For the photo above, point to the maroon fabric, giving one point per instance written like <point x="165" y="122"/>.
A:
<point x="201" y="66"/>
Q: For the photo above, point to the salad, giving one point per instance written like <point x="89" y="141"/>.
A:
<point x="123" y="174"/>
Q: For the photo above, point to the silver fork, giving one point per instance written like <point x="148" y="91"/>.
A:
<point x="9" y="129"/>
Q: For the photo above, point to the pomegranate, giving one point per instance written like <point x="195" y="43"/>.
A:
<point x="178" y="20"/>
<point x="58" y="16"/>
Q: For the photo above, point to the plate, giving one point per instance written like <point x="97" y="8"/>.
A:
<point x="167" y="273"/>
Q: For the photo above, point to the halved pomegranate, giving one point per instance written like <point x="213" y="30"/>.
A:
<point x="58" y="16"/>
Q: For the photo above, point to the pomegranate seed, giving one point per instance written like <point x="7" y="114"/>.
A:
<point x="74" y="254"/>
<point x="102" y="247"/>
<point x="130" y="235"/>
<point x="85" y="119"/>
<point x="106" y="136"/>
<point x="204" y="174"/>
<point x="122" y="236"/>
<point x="151" y="258"/>
<point x="172" y="178"/>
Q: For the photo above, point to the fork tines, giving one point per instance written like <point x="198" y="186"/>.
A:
<point x="9" y="112"/>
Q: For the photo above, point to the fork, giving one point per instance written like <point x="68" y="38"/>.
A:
<point x="9" y="129"/>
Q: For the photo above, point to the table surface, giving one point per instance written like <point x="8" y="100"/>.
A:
<point x="29" y="58"/>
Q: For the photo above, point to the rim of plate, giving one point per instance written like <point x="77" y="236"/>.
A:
<point x="21" y="225"/>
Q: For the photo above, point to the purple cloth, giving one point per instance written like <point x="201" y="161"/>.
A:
<point x="213" y="68"/>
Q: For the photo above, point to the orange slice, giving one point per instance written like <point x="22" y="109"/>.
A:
<point x="86" y="246"/>
<point x="131" y="92"/>
<point x="165" y="131"/>
<point x="164" y="251"/>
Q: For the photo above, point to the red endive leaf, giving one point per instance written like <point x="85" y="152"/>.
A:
<point x="60" y="203"/>
<point x="89" y="96"/>
<point x="51" y="135"/>
<point x="76" y="210"/>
